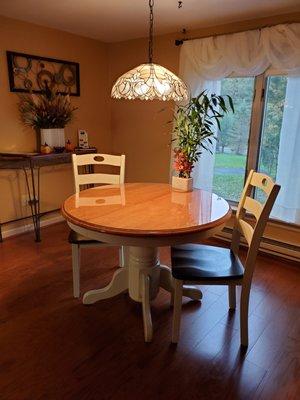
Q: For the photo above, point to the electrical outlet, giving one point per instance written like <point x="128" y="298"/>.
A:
<point x="24" y="200"/>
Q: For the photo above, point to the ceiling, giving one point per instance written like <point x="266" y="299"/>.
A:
<point x="117" y="20"/>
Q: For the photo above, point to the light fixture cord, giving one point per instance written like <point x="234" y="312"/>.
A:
<point x="151" y="20"/>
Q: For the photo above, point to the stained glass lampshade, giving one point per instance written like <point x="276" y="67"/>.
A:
<point x="148" y="82"/>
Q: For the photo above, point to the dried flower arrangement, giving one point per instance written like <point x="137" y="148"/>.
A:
<point x="46" y="110"/>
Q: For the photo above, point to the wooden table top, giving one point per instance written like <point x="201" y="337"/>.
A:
<point x="145" y="209"/>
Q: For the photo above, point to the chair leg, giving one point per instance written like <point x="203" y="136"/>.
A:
<point x="232" y="297"/>
<point x="148" y="329"/>
<point x="178" y="285"/>
<point x="122" y="256"/>
<point x="172" y="299"/>
<point x="244" y="316"/>
<point x="76" y="269"/>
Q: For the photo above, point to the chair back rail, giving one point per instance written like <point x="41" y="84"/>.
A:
<point x="98" y="178"/>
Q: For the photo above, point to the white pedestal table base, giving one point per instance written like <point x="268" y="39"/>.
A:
<point x="142" y="276"/>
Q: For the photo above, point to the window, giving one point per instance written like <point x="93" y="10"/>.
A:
<point x="263" y="134"/>
<point x="271" y="128"/>
<point x="272" y="123"/>
<point x="232" y="144"/>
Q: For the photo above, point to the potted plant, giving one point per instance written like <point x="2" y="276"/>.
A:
<point x="48" y="113"/>
<point x="193" y="132"/>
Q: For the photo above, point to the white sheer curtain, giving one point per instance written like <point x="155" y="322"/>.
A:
<point x="205" y="62"/>
<point x="247" y="53"/>
<point x="287" y="206"/>
<point x="203" y="170"/>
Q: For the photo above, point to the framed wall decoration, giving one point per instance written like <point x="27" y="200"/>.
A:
<point x="28" y="73"/>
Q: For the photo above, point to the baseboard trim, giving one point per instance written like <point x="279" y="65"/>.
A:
<point x="268" y="246"/>
<point x="29" y="227"/>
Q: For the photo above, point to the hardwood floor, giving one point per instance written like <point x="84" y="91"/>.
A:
<point x="53" y="347"/>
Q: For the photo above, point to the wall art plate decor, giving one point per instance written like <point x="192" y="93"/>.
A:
<point x="28" y="73"/>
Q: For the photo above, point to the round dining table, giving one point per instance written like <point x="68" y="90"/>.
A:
<point x="141" y="217"/>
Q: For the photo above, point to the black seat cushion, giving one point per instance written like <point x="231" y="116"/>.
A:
<point x="76" y="238"/>
<point x="198" y="262"/>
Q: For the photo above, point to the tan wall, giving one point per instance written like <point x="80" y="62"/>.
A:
<point x="93" y="113"/>
<point x="138" y="128"/>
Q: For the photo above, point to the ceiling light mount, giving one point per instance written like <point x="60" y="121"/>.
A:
<point x="150" y="81"/>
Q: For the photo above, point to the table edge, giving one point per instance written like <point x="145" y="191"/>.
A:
<point x="141" y="233"/>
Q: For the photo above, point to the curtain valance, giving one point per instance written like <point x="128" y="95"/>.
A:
<point x="247" y="53"/>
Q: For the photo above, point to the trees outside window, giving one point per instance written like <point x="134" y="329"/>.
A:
<point x="232" y="143"/>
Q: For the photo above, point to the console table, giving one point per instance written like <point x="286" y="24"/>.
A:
<point x="29" y="163"/>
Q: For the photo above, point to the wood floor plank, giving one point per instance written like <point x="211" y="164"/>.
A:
<point x="283" y="381"/>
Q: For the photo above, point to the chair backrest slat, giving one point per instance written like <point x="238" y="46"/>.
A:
<point x="253" y="206"/>
<point x="88" y="179"/>
<point x="98" y="159"/>
<point x="97" y="178"/>
<point x="246" y="230"/>
<point x="262" y="181"/>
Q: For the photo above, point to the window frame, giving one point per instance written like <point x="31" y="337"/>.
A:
<point x="255" y="130"/>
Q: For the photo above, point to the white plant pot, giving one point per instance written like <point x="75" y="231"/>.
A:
<point x="182" y="184"/>
<point x="54" y="137"/>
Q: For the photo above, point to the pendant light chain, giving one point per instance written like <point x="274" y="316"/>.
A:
<point x="151" y="20"/>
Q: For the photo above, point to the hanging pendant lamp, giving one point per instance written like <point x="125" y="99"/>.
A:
<point x="150" y="81"/>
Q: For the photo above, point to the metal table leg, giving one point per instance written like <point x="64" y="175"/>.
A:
<point x="34" y="198"/>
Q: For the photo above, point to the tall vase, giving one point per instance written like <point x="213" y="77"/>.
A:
<point x="54" y="137"/>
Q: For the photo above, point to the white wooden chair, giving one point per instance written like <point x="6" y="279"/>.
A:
<point x="78" y="241"/>
<point x="210" y="265"/>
